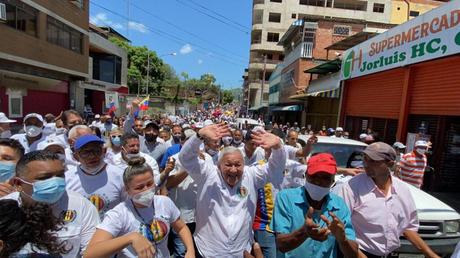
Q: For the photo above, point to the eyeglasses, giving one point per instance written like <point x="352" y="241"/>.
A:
<point x="115" y="136"/>
<point x="94" y="152"/>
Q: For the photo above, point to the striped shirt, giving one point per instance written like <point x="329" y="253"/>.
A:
<point x="412" y="168"/>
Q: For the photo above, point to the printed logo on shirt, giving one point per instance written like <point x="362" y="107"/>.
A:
<point x="261" y="162"/>
<point x="98" y="201"/>
<point x="68" y="215"/>
<point x="242" y="192"/>
<point x="156" y="231"/>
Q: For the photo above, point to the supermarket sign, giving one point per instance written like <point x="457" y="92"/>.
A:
<point x="432" y="35"/>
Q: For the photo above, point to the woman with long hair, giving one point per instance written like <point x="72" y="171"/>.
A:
<point x="34" y="224"/>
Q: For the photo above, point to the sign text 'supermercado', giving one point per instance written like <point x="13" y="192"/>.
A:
<point x="432" y="35"/>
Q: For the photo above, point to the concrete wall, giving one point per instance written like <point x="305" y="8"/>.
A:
<point x="399" y="9"/>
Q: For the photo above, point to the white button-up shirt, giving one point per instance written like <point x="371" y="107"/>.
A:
<point x="224" y="214"/>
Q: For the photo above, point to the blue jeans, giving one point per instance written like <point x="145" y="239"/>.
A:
<point x="267" y="242"/>
<point x="177" y="246"/>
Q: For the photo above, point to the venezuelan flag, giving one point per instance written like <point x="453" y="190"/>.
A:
<point x="144" y="105"/>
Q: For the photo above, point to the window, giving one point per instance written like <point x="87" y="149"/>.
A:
<point x="273" y="37"/>
<point x="309" y="35"/>
<point x="106" y="68"/>
<point x="15" y="105"/>
<point x="293" y="16"/>
<point x="313" y="2"/>
<point x="379" y="8"/>
<point x="341" y="30"/>
<point x="276" y="1"/>
<point x="21" y="17"/>
<point x="414" y="13"/>
<point x="274" y="17"/>
<point x="269" y="56"/>
<point x="62" y="35"/>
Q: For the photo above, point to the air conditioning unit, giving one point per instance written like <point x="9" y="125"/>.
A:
<point x="2" y="12"/>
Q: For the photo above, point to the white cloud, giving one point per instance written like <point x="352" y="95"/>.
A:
<point x="186" y="49"/>
<point x="137" y="27"/>
<point x="101" y="19"/>
<point x="200" y="61"/>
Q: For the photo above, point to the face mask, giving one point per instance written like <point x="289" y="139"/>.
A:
<point x="150" y="137"/>
<point x="116" y="141"/>
<point x="176" y="138"/>
<point x="32" y="130"/>
<point x="47" y="191"/>
<point x="237" y="142"/>
<point x="5" y="134"/>
<point x="6" y="171"/>
<point x="144" y="198"/>
<point x="93" y="171"/>
<point x="61" y="130"/>
<point x="227" y="140"/>
<point x="420" y="151"/>
<point x="316" y="192"/>
<point x="62" y="157"/>
<point x="212" y="152"/>
<point x="357" y="164"/>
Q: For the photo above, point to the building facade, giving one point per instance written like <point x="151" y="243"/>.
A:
<point x="43" y="53"/>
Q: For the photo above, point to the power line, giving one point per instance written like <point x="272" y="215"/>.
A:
<point x="218" y="14"/>
<point x="213" y="17"/>
<point x="189" y="33"/>
<point x="176" y="39"/>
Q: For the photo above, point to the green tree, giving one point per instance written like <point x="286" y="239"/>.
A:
<point x="227" y="97"/>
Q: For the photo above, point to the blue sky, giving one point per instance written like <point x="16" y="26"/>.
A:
<point x="218" y="45"/>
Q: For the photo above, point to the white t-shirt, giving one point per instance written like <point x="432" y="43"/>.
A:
<point x="184" y="195"/>
<point x="22" y="139"/>
<point x="294" y="174"/>
<point x="291" y="152"/>
<point x="80" y="221"/>
<point x="258" y="155"/>
<point x="123" y="219"/>
<point x="118" y="161"/>
<point x="105" y="190"/>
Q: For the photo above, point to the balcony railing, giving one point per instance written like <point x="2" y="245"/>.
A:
<point x="258" y="2"/>
<point x="303" y="50"/>
<point x="261" y="60"/>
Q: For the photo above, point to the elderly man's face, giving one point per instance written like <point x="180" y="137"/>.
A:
<point x="292" y="138"/>
<point x="375" y="168"/>
<point x="33" y="121"/>
<point x="73" y="120"/>
<point x="231" y="165"/>
<point x="138" y="127"/>
<point x="322" y="179"/>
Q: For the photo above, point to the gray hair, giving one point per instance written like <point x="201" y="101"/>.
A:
<point x="228" y="150"/>
<point x="73" y="133"/>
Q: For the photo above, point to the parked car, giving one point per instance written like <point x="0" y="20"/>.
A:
<point x="439" y="223"/>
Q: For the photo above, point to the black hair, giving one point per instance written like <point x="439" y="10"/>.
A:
<point x="96" y="131"/>
<point x="278" y="132"/>
<point x="41" y="155"/>
<point x="65" y="114"/>
<point x="128" y="136"/>
<point x="353" y="157"/>
<point x="136" y="166"/>
<point x="34" y="224"/>
<point x="14" y="144"/>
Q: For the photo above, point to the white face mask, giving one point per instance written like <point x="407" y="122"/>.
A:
<point x="61" y="130"/>
<point x="237" y="142"/>
<point x="357" y="164"/>
<point x="94" y="170"/>
<point x="316" y="192"/>
<point x="32" y="130"/>
<point x="145" y="198"/>
<point x="5" y="134"/>
<point x="227" y="140"/>
<point x="420" y="151"/>
<point x="131" y="155"/>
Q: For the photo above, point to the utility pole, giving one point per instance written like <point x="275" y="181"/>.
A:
<point x="263" y="81"/>
<point x="148" y="71"/>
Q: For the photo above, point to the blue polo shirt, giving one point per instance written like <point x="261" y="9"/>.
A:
<point x="291" y="207"/>
<point x="170" y="152"/>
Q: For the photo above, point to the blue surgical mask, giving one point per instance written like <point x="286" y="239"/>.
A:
<point x="48" y="191"/>
<point x="6" y="170"/>
<point x="116" y="141"/>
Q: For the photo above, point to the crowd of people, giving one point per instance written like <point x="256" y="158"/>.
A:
<point x="200" y="185"/>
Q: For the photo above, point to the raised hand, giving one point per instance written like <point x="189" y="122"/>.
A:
<point x="266" y="140"/>
<point x="142" y="246"/>
<point x="170" y="165"/>
<point x="313" y="230"/>
<point x="312" y="140"/>
<point x="336" y="226"/>
<point x="214" y="132"/>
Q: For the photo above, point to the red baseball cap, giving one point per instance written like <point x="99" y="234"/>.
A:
<point x="322" y="162"/>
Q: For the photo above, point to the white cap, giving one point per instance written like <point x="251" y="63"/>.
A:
<point x="189" y="133"/>
<point x="5" y="119"/>
<point x="421" y="143"/>
<point x="50" y="141"/>
<point x="184" y="126"/>
<point x="97" y="116"/>
<point x="399" y="145"/>
<point x="207" y="122"/>
<point x="339" y="129"/>
<point x="199" y="125"/>
<point x="38" y="116"/>
<point x="362" y="136"/>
